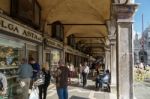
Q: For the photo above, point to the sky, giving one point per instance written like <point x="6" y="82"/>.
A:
<point x="144" y="8"/>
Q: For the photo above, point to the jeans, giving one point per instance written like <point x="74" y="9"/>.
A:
<point x="84" y="75"/>
<point x="62" y="93"/>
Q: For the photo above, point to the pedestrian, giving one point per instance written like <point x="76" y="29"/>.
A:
<point x="47" y="78"/>
<point x="36" y="68"/>
<point x="71" y="68"/>
<point x="80" y="73"/>
<point x="85" y="73"/>
<point x="62" y="75"/>
<point x="25" y="73"/>
<point x="69" y="79"/>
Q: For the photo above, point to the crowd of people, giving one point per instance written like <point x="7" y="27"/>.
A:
<point x="31" y="74"/>
<point x="141" y="72"/>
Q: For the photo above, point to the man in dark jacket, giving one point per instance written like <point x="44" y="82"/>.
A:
<point x="62" y="75"/>
<point x="36" y="68"/>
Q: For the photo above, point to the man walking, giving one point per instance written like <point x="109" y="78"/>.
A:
<point x="62" y="75"/>
<point x="85" y="73"/>
<point x="25" y="72"/>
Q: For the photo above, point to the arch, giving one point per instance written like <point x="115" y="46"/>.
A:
<point x="143" y="56"/>
<point x="87" y="30"/>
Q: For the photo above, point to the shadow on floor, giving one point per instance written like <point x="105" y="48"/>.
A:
<point x="77" y="97"/>
<point x="88" y="87"/>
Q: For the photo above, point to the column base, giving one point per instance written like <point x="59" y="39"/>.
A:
<point x="113" y="88"/>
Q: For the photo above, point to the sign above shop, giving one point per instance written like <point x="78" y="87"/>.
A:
<point x="14" y="28"/>
<point x="53" y="43"/>
<point x="69" y="49"/>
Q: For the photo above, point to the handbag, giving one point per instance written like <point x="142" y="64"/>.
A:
<point x="34" y="93"/>
<point x="40" y="79"/>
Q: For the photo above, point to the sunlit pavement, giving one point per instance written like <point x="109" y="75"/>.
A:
<point x="77" y="92"/>
<point x="142" y="90"/>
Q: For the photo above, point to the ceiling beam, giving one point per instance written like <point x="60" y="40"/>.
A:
<point x="84" y="24"/>
<point x="93" y="43"/>
<point x="89" y="37"/>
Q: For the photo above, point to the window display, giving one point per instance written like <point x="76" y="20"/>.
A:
<point x="11" y="53"/>
<point x="55" y="57"/>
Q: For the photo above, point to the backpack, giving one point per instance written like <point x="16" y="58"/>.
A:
<point x="1" y="85"/>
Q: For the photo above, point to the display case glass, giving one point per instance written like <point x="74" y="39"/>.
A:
<point x="11" y="53"/>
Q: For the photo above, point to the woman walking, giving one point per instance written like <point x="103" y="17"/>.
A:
<point x="43" y="87"/>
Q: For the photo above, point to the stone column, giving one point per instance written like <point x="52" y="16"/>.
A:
<point x="40" y="55"/>
<point x="107" y="59"/>
<point x="125" y="59"/>
<point x="124" y="15"/>
<point x="113" y="64"/>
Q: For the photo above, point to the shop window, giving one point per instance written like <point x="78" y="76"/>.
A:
<point x="33" y="55"/>
<point x="11" y="53"/>
<point x="55" y="57"/>
<point x="58" y="31"/>
<point x="32" y="52"/>
<point x="48" y="59"/>
<point x="27" y="11"/>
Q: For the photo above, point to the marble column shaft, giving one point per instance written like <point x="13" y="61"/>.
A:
<point x="107" y="59"/>
<point x="124" y="60"/>
<point x="113" y="64"/>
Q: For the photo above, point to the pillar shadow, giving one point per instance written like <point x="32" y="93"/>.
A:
<point x="77" y="97"/>
<point x="88" y="87"/>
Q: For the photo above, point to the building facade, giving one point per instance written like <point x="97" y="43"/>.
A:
<point x="141" y="48"/>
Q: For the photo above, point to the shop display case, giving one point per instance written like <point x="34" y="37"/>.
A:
<point x="11" y="53"/>
<point x="9" y="61"/>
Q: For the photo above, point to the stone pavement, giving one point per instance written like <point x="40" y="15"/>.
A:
<point x="142" y="90"/>
<point x="77" y="92"/>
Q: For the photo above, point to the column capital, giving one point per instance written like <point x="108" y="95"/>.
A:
<point x="107" y="49"/>
<point x="112" y="39"/>
<point x="124" y="11"/>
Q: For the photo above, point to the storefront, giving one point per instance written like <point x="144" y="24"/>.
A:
<point x="74" y="56"/>
<point x="69" y="55"/>
<point x="53" y="52"/>
<point x="16" y="42"/>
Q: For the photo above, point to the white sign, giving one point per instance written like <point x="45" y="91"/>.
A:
<point x="14" y="28"/>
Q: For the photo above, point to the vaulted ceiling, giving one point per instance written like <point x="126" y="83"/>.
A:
<point x="83" y="18"/>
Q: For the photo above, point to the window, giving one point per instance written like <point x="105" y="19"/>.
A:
<point x="11" y="53"/>
<point x="58" y="31"/>
<point x="28" y="11"/>
<point x="71" y="41"/>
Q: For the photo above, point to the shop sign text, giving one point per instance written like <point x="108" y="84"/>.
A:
<point x="50" y="42"/>
<point x="11" y="27"/>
